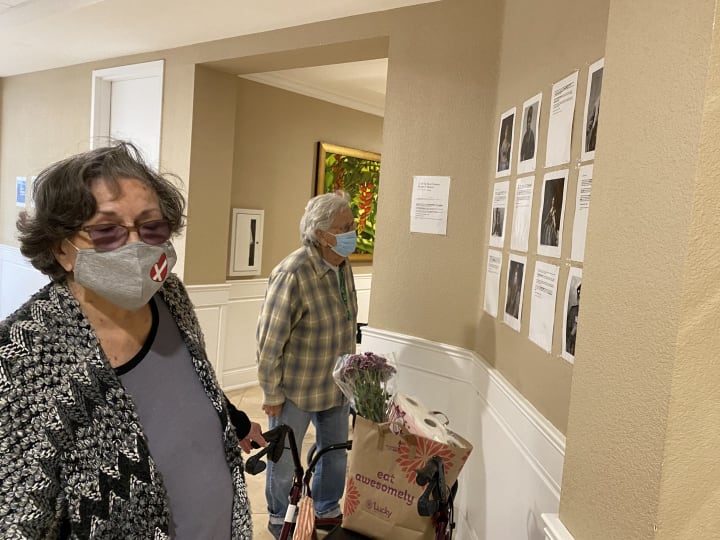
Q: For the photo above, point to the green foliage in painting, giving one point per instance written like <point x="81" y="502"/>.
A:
<point x="359" y="177"/>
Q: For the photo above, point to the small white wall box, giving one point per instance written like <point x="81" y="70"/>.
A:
<point x="246" y="242"/>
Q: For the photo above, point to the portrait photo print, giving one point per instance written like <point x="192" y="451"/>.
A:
<point x="592" y="110"/>
<point x="514" y="291"/>
<point x="551" y="213"/>
<point x="570" y="317"/>
<point x="505" y="139"/>
<point x="529" y="134"/>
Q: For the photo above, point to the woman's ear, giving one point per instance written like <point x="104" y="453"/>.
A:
<point x="65" y="254"/>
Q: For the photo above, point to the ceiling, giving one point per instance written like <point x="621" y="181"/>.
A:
<point x="358" y="85"/>
<point x="91" y="30"/>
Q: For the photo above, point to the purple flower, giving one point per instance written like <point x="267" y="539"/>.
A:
<point x="366" y="379"/>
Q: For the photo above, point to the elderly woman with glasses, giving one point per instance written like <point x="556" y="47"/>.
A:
<point x="112" y="423"/>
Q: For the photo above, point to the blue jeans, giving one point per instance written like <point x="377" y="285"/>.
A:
<point x="328" y="484"/>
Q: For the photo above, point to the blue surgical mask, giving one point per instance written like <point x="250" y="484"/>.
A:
<point x="346" y="243"/>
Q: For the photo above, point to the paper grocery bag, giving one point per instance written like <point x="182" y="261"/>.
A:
<point x="380" y="492"/>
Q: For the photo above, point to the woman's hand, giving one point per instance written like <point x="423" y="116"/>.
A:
<point x="254" y="436"/>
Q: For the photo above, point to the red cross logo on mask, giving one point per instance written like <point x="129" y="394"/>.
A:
<point x="159" y="269"/>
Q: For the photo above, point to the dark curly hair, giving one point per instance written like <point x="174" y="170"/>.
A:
<point x="63" y="200"/>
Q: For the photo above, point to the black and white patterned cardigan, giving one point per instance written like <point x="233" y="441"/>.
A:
<point x="74" y="461"/>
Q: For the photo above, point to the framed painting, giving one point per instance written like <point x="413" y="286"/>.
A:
<point x="358" y="173"/>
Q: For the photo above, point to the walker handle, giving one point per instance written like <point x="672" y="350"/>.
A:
<point x="274" y="449"/>
<point x="427" y="472"/>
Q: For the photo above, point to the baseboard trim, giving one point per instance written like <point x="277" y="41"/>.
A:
<point x="239" y="378"/>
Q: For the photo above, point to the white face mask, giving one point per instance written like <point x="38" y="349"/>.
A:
<point x="127" y="276"/>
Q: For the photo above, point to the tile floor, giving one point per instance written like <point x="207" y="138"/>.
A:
<point x="250" y="400"/>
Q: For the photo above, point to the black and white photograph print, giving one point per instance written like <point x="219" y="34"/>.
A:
<point x="505" y="140"/>
<point x="499" y="213"/>
<point x="592" y="110"/>
<point x="572" y="309"/>
<point x="514" y="291"/>
<point x="498" y="221"/>
<point x="551" y="213"/>
<point x="552" y="203"/>
<point x="530" y="121"/>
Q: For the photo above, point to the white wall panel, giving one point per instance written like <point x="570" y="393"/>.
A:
<point x="246" y="298"/>
<point x="210" y="302"/>
<point x="18" y="280"/>
<point x="362" y="288"/>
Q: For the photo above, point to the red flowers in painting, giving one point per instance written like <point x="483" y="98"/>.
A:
<point x="358" y="175"/>
<point x="366" y="198"/>
<point x="338" y="174"/>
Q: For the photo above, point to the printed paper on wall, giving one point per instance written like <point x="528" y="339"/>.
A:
<point x="562" y="112"/>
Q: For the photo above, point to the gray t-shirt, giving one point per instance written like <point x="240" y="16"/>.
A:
<point x="183" y="431"/>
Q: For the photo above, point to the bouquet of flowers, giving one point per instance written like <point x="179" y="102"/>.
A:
<point x="368" y="381"/>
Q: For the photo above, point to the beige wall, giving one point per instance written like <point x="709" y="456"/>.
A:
<point x="643" y="441"/>
<point x="254" y="146"/>
<point x="441" y="94"/>
<point x="501" y="55"/>
<point x="211" y="176"/>
<point x="275" y="157"/>
<point x="539" y="48"/>
<point x="45" y="117"/>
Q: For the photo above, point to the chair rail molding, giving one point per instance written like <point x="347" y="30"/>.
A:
<point x="554" y="528"/>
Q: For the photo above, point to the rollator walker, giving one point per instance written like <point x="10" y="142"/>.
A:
<point x="436" y="501"/>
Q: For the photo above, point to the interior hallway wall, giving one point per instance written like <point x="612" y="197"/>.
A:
<point x="441" y="93"/>
<point x="44" y="117"/>
<point x="254" y="146"/>
<point x="276" y="135"/>
<point x="643" y="436"/>
<point x="542" y="43"/>
<point x="466" y="65"/>
<point x="444" y="69"/>
<point x="211" y="166"/>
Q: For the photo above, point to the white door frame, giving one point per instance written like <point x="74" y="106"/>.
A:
<point x="102" y="80"/>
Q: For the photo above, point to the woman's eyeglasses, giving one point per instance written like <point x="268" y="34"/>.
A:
<point x="109" y="236"/>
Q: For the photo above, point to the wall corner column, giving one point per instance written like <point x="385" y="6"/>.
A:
<point x="641" y="442"/>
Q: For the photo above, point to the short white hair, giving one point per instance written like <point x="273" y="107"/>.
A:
<point x="320" y="212"/>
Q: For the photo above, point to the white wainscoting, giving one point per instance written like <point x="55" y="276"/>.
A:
<point x="228" y="314"/>
<point x="211" y="307"/>
<point x="514" y="473"/>
<point x="18" y="280"/>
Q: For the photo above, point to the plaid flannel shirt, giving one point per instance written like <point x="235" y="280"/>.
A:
<point x="304" y="326"/>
